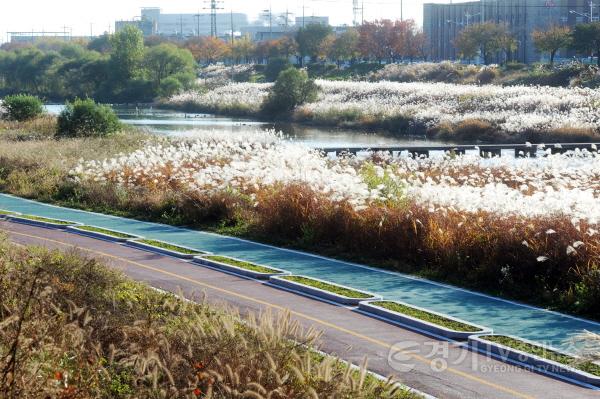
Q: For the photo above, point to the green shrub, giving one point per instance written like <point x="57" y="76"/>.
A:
<point x="169" y="87"/>
<point x="292" y="88"/>
<point x="275" y="67"/>
<point x="22" y="107"/>
<point x="83" y="118"/>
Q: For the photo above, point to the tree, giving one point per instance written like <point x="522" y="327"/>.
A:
<point x="586" y="39"/>
<point x="309" y="39"/>
<point x="326" y="47"/>
<point x="551" y="40"/>
<point x="488" y="38"/>
<point x="127" y="52"/>
<point x="242" y="49"/>
<point x="377" y="40"/>
<point x="292" y="88"/>
<point x="286" y="46"/>
<point x="165" y="60"/>
<point x="345" y="46"/>
<point x="101" y="44"/>
<point x="408" y="39"/>
<point x="208" y="49"/>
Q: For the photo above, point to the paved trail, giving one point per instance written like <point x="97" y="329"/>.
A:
<point x="345" y="332"/>
<point x="504" y="317"/>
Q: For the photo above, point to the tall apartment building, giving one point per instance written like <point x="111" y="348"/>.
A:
<point x="443" y="22"/>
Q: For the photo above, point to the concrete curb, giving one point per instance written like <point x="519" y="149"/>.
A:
<point x="101" y="236"/>
<point x="39" y="223"/>
<point x="537" y="363"/>
<point x="163" y="251"/>
<point x="317" y="292"/>
<point x="401" y="318"/>
<point x="200" y="260"/>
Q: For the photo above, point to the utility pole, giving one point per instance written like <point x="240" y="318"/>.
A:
<point x="401" y="10"/>
<point x="362" y="18"/>
<point x="355" y="12"/>
<point x="303" y="14"/>
<point x="286" y="17"/>
<point x="198" y="20"/>
<point x="269" y="14"/>
<point x="231" y="14"/>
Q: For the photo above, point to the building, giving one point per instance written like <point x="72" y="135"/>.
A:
<point x="443" y="22"/>
<point x="147" y="27"/>
<point x="312" y="20"/>
<point x="39" y="37"/>
<point x="187" y="25"/>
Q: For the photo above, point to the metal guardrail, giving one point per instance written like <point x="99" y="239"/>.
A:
<point x="485" y="150"/>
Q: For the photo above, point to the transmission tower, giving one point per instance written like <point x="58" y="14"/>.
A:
<point x="214" y="5"/>
<point x="356" y="9"/>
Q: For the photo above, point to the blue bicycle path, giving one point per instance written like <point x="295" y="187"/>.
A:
<point x="504" y="317"/>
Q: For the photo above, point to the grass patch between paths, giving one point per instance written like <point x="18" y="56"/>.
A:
<point x="427" y="316"/>
<point x="170" y="247"/>
<point x="241" y="264"/>
<point x="334" y="288"/>
<point x="42" y="219"/>
<point x="587" y="366"/>
<point x="3" y="212"/>
<point x="105" y="231"/>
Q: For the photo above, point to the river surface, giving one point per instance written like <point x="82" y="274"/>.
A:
<point x="175" y="123"/>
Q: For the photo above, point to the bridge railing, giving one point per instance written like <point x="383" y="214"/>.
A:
<point x="485" y="150"/>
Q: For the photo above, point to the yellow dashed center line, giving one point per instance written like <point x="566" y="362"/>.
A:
<point x="375" y="341"/>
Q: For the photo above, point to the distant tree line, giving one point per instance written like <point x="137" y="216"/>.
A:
<point x="116" y="68"/>
<point x="494" y="41"/>
<point x="382" y="40"/>
<point x="126" y="67"/>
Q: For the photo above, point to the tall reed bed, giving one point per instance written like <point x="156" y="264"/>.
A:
<point x="492" y="113"/>
<point x="522" y="228"/>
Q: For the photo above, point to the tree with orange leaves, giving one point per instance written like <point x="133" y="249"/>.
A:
<point x="208" y="49"/>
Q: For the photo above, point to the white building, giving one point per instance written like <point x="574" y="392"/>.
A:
<point x="187" y="25"/>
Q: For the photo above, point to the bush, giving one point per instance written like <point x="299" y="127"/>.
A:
<point x="275" y="67"/>
<point x="292" y="88"/>
<point x="486" y="76"/>
<point x="83" y="118"/>
<point x="169" y="87"/>
<point x="22" y="107"/>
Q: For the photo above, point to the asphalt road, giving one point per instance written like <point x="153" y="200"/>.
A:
<point x="435" y="366"/>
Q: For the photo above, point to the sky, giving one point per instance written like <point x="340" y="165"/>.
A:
<point x="84" y="16"/>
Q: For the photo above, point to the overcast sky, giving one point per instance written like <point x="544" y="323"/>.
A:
<point x="54" y="15"/>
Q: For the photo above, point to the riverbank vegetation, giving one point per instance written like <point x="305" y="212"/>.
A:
<point x="112" y="69"/>
<point x="525" y="229"/>
<point x="458" y="113"/>
<point x="72" y="328"/>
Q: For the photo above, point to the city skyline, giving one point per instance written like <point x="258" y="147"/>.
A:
<point x="84" y="19"/>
